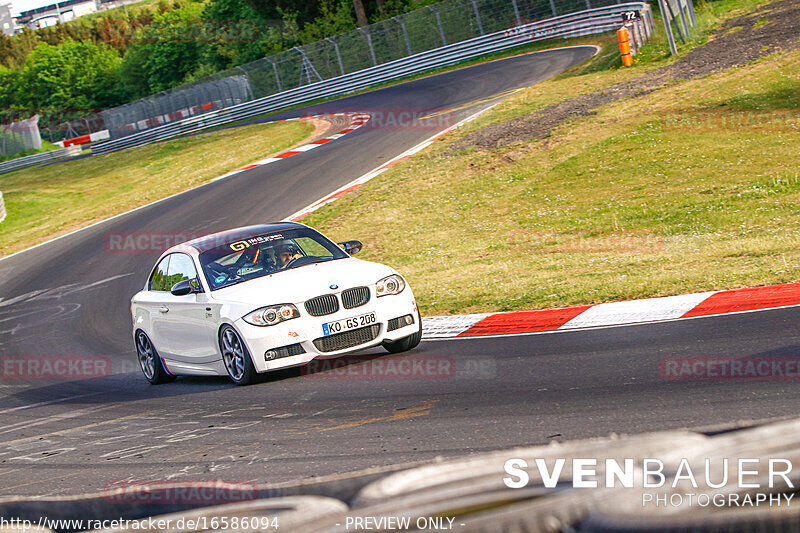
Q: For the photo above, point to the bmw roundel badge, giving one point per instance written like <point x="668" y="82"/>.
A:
<point x="334" y="286"/>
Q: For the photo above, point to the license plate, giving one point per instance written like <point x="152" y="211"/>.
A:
<point x="347" y="324"/>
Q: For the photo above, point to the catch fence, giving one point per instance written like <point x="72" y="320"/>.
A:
<point x="19" y="136"/>
<point x="422" y="30"/>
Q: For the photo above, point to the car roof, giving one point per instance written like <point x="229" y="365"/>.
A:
<point x="209" y="242"/>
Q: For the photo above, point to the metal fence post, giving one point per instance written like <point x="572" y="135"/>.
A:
<point x="306" y="68"/>
<point x="673" y="18"/>
<point x="477" y="17"/>
<point x="667" y="26"/>
<point x="588" y="4"/>
<point x="405" y="33"/>
<point x="70" y="131"/>
<point x="277" y="78"/>
<point x="439" y="22"/>
<point x="248" y="91"/>
<point x="338" y="55"/>
<point x="683" y="18"/>
<point x="517" y="18"/>
<point x="552" y="6"/>
<point x="368" y="37"/>
<point x="692" y="16"/>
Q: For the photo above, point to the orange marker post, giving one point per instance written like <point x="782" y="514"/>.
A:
<point x="625" y="46"/>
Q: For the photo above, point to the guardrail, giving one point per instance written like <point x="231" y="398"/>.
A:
<point x="35" y="159"/>
<point x="588" y="22"/>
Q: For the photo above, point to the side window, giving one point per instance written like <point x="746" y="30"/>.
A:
<point x="181" y="267"/>
<point x="312" y="247"/>
<point x="158" y="280"/>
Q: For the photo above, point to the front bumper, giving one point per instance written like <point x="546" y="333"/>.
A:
<point x="286" y="338"/>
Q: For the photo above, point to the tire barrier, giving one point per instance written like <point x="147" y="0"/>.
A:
<point x="462" y="488"/>
<point x="475" y="493"/>
<point x="719" y="508"/>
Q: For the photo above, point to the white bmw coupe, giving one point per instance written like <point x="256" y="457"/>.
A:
<point x="260" y="298"/>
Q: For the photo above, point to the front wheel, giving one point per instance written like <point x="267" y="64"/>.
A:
<point x="236" y="357"/>
<point x="406" y="343"/>
<point x="150" y="362"/>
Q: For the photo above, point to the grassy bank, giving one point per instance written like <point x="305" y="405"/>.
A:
<point x="691" y="188"/>
<point x="43" y="202"/>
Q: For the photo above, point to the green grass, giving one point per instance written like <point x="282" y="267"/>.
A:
<point x="694" y="187"/>
<point x="43" y="202"/>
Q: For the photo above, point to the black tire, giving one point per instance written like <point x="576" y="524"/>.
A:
<point x="236" y="356"/>
<point x="406" y="343"/>
<point x="149" y="361"/>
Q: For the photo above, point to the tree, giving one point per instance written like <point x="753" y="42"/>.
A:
<point x="163" y="54"/>
<point x="77" y="75"/>
<point x="220" y="52"/>
<point x="133" y="82"/>
<point x="361" y="15"/>
<point x="336" y="17"/>
<point x="9" y="81"/>
<point x="17" y="48"/>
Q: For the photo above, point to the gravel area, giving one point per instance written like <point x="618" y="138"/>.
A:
<point x="725" y="50"/>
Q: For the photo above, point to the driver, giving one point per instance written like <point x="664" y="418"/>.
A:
<point x="286" y="254"/>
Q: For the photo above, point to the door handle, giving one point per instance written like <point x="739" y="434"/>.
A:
<point x="164" y="309"/>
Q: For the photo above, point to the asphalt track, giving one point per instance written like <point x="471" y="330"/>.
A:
<point x="71" y="298"/>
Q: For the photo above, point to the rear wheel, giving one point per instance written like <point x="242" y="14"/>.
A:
<point x="150" y="362"/>
<point x="236" y="357"/>
<point x="406" y="343"/>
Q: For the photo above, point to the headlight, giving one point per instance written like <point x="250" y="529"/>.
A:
<point x="269" y="316"/>
<point x="393" y="284"/>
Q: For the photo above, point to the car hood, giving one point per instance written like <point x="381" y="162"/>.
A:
<point x="301" y="283"/>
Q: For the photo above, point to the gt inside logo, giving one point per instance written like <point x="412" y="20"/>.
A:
<point x="241" y="245"/>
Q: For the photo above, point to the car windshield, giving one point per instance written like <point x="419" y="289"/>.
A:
<point x="265" y="254"/>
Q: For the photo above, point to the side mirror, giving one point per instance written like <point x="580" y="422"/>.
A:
<point x="351" y="247"/>
<point x="187" y="286"/>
